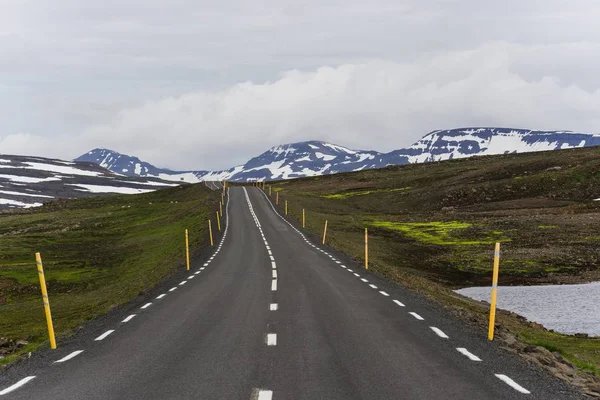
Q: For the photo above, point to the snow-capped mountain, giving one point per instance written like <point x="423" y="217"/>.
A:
<point x="132" y="166"/>
<point x="313" y="158"/>
<point x="31" y="181"/>
<point x="305" y="159"/>
<point x="467" y="142"/>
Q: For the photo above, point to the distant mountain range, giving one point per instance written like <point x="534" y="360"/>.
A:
<point x="313" y="158"/>
<point x="31" y="181"/>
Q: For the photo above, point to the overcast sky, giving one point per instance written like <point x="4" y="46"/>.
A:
<point x="191" y="84"/>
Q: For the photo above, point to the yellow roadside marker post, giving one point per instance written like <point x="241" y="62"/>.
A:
<point x="366" y="249"/>
<point x="277" y="198"/>
<point x="46" y="300"/>
<point x="221" y="208"/>
<point x="187" y="251"/>
<point x="210" y="232"/>
<point x="494" y="292"/>
<point x="286" y="207"/>
<point x="325" y="232"/>
<point x="218" y="222"/>
<point x="269" y="190"/>
<point x="303" y="219"/>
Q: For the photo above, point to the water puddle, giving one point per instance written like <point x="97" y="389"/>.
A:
<point x="564" y="308"/>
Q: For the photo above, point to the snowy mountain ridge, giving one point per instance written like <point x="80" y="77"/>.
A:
<point x="31" y="181"/>
<point x="312" y="158"/>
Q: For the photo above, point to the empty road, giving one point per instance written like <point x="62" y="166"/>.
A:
<point x="273" y="315"/>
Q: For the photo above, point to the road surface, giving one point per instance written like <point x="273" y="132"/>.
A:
<point x="272" y="315"/>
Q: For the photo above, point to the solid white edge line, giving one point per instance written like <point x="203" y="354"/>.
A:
<point x="417" y="316"/>
<point x="273" y="307"/>
<point x="439" y="332"/>
<point x="128" y="318"/>
<point x="68" y="357"/>
<point x="104" y="335"/>
<point x="274" y="285"/>
<point x="467" y="353"/>
<point x="145" y="305"/>
<point x="16" y="385"/>
<point x="271" y="339"/>
<point x="512" y="383"/>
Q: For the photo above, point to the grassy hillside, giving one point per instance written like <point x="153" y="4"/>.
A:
<point x="97" y="253"/>
<point x="433" y="226"/>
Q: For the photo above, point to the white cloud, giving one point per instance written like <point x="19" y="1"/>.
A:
<point x="161" y="80"/>
<point x="381" y="105"/>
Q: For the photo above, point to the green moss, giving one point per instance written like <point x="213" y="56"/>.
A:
<point x="352" y="193"/>
<point x="29" y="275"/>
<point x="439" y="232"/>
<point x="97" y="253"/>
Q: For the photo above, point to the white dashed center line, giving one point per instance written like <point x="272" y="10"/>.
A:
<point x="383" y="293"/>
<point x="273" y="307"/>
<point x="274" y="274"/>
<point x="272" y="339"/>
<point x="145" y="305"/>
<point x="160" y="296"/>
<point x="274" y="285"/>
<point x="173" y="288"/>
<point x="265" y="395"/>
<point x="373" y="286"/>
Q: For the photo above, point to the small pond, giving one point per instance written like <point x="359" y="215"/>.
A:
<point x="564" y="308"/>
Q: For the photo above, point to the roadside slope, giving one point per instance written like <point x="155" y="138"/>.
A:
<point x="97" y="253"/>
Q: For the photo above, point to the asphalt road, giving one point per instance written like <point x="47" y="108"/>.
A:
<point x="275" y="315"/>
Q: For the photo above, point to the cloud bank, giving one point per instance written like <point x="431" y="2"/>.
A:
<point x="205" y="85"/>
